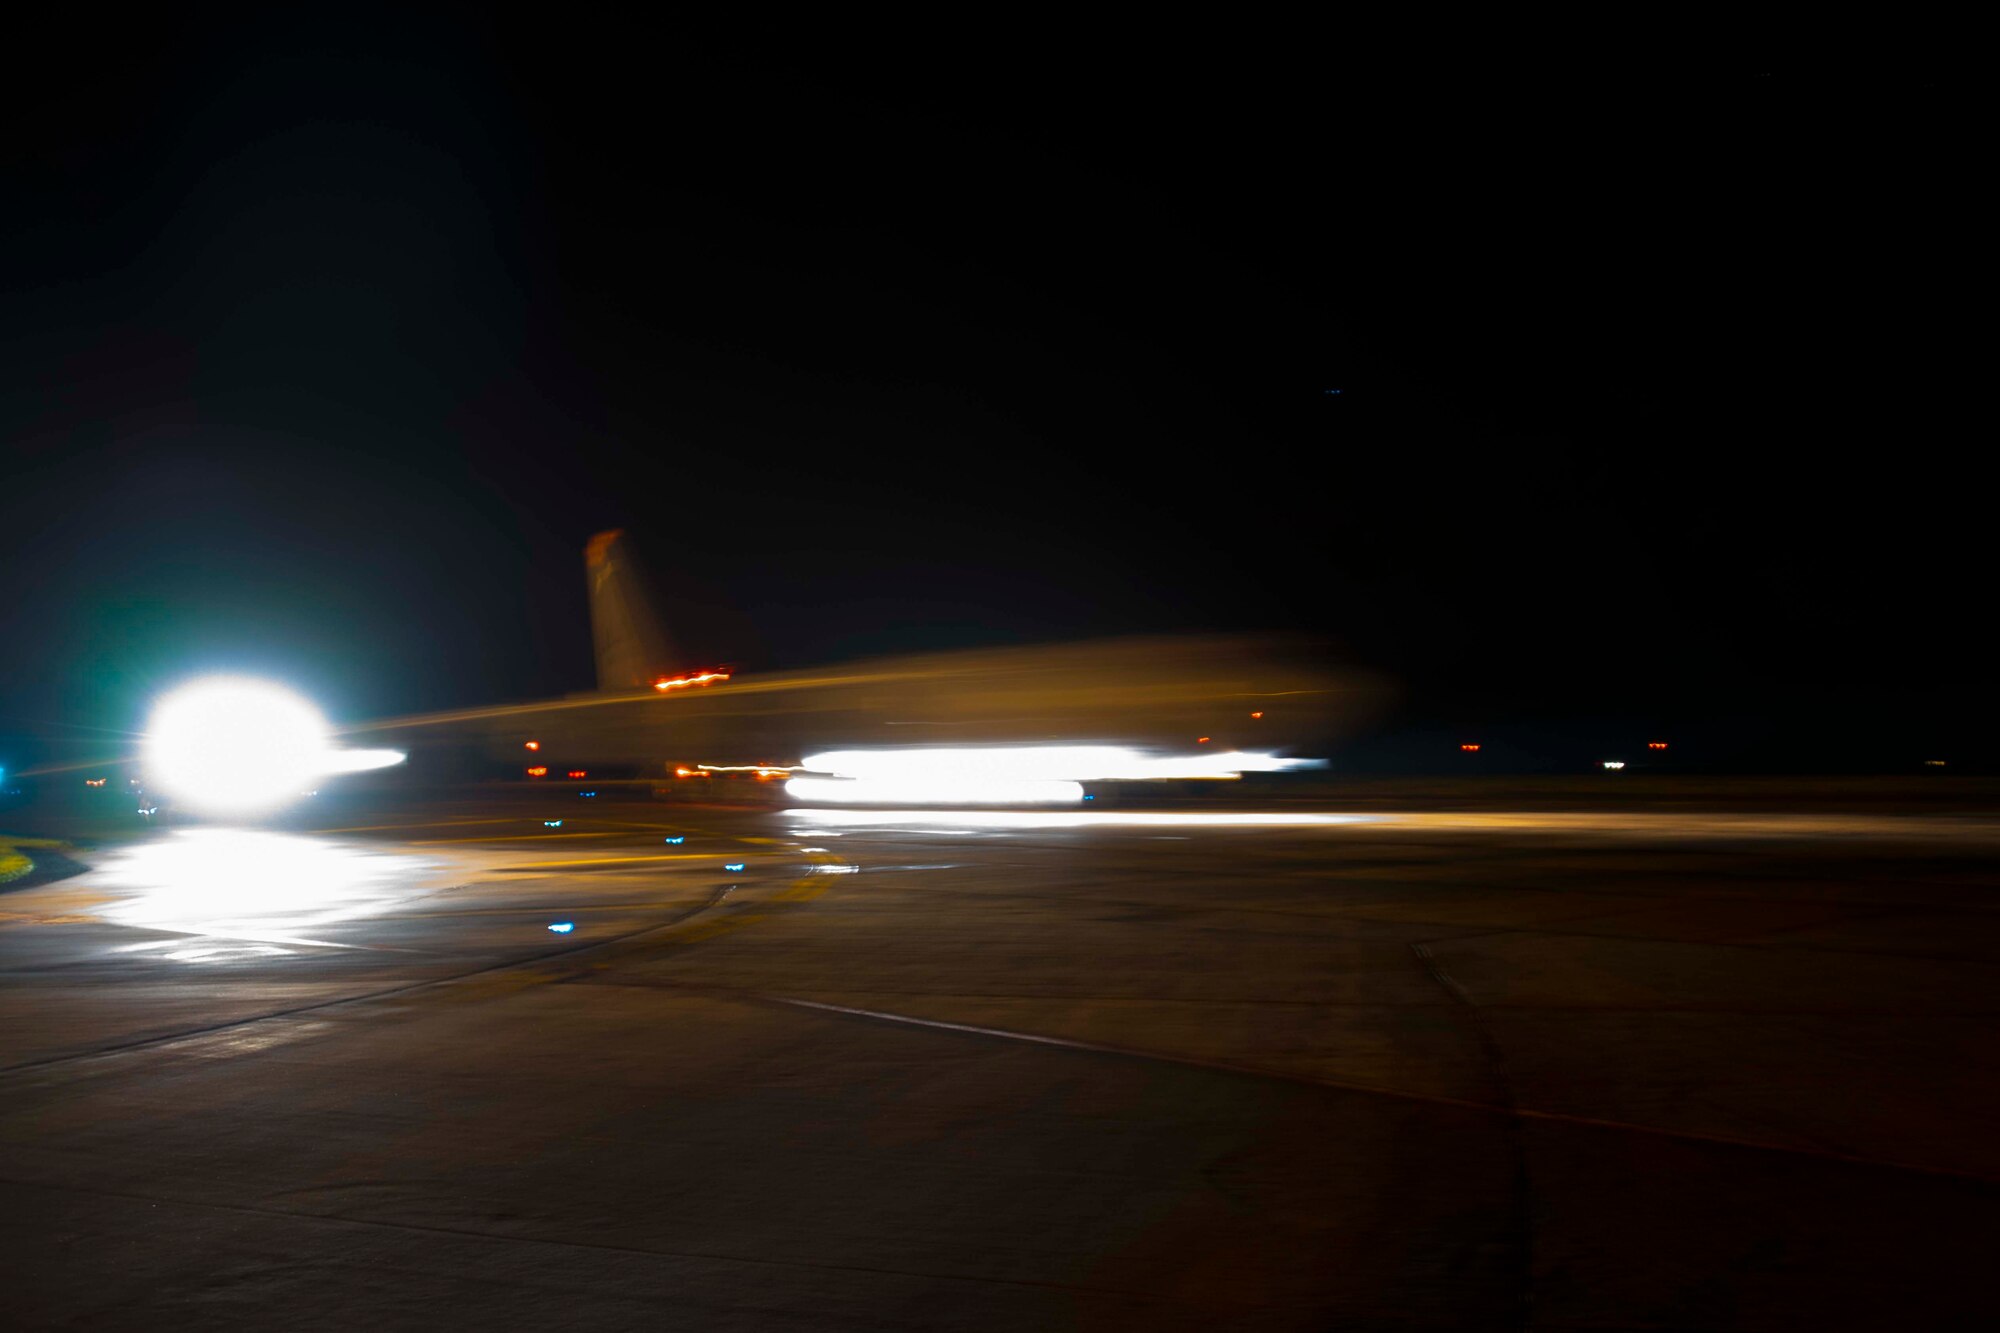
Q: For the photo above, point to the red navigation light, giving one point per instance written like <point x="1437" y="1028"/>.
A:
<point x="1256" y="715"/>
<point x="1656" y="745"/>
<point x="578" y="773"/>
<point x="666" y="683"/>
<point x="538" y="771"/>
<point x="1470" y="749"/>
<point x="531" y="745"/>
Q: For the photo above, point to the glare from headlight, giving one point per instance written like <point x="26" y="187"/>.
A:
<point x="236" y="745"/>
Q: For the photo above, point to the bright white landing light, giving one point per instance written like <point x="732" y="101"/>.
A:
<point x="1006" y="774"/>
<point x="235" y="745"/>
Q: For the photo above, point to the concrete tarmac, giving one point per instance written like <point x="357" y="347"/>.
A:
<point x="878" y="1070"/>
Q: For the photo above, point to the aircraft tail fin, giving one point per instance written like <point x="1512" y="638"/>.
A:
<point x="631" y="647"/>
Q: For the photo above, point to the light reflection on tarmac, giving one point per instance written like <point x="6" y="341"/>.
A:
<point x="971" y="821"/>
<point x="1639" y="825"/>
<point x="1290" y="1069"/>
<point x="1645" y="825"/>
<point x="247" y="893"/>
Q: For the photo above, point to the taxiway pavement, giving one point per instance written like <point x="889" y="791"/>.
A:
<point x="866" y="1070"/>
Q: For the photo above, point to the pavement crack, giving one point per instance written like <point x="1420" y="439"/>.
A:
<point x="1523" y="1191"/>
<point x="432" y="983"/>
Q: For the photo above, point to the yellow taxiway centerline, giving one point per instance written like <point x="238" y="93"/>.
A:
<point x="513" y="837"/>
<point x="422" y="823"/>
<point x="616" y="860"/>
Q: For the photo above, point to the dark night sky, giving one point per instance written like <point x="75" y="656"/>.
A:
<point x="325" y="349"/>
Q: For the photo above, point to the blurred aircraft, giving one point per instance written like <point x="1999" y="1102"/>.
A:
<point x="653" y="714"/>
<point x="1177" y="706"/>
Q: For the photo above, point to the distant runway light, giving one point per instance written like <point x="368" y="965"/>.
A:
<point x="1613" y="765"/>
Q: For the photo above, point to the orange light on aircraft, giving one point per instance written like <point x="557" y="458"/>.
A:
<point x="578" y="773"/>
<point x="1656" y="745"/>
<point x="1470" y="749"/>
<point x="763" y="772"/>
<point x="1201" y="740"/>
<point x="93" y="782"/>
<point x="666" y="683"/>
<point x="531" y="745"/>
<point x="538" y="771"/>
<point x="1256" y="715"/>
<point x="689" y="773"/>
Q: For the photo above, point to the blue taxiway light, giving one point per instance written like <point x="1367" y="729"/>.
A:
<point x="586" y="793"/>
<point x="682" y="838"/>
<point x="733" y="865"/>
<point x="551" y="823"/>
<point x="562" y="927"/>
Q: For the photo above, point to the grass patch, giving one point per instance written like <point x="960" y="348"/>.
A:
<point x="14" y="863"/>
